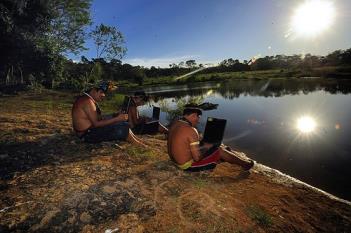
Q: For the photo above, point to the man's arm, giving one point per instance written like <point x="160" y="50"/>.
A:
<point x="194" y="144"/>
<point x="90" y="111"/>
<point x="134" y="116"/>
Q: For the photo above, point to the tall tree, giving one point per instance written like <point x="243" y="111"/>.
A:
<point x="67" y="25"/>
<point x="21" y="21"/>
<point x="190" y="63"/>
<point x="109" y="42"/>
<point x="41" y="31"/>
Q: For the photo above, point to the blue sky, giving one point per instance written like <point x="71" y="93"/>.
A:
<point x="161" y="32"/>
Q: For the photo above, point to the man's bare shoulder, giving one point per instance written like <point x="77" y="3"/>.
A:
<point x="184" y="128"/>
<point x="83" y="101"/>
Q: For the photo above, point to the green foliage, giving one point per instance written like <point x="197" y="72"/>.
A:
<point x="175" y="112"/>
<point x="112" y="103"/>
<point x="67" y="25"/>
<point x="95" y="74"/>
<point x="140" y="153"/>
<point x="200" y="183"/>
<point x="259" y="215"/>
<point x="109" y="42"/>
<point x="34" y="35"/>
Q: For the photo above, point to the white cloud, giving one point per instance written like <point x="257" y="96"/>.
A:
<point x="164" y="62"/>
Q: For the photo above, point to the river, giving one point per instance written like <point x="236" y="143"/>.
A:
<point x="298" y="126"/>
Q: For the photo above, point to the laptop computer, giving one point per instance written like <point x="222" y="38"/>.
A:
<point x="156" y="113"/>
<point x="152" y="125"/>
<point x="214" y="131"/>
<point x="126" y="103"/>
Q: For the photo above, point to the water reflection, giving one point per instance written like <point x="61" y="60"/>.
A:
<point x="306" y="124"/>
<point x="254" y="87"/>
<point x="262" y="120"/>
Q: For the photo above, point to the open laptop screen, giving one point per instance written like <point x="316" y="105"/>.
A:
<point x="214" y="130"/>
<point x="126" y="104"/>
<point x="156" y="113"/>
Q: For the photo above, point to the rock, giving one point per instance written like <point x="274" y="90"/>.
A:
<point x="85" y="217"/>
<point x="73" y="217"/>
<point x="112" y="230"/>
<point x="109" y="189"/>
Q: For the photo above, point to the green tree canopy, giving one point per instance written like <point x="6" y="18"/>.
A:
<point x="109" y="42"/>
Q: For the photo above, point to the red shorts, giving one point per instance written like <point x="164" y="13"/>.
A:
<point x="209" y="162"/>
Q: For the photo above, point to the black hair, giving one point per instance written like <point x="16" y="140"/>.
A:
<point x="188" y="111"/>
<point x="142" y="95"/>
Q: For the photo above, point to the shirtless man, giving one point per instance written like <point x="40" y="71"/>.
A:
<point x="185" y="150"/>
<point x="89" y="124"/>
<point x="136" y="122"/>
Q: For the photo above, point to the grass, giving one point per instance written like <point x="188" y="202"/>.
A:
<point x="141" y="153"/>
<point x="200" y="183"/>
<point x="259" y="215"/>
<point x="111" y="103"/>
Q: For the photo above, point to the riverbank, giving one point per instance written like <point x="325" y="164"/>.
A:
<point x="334" y="72"/>
<point x="52" y="182"/>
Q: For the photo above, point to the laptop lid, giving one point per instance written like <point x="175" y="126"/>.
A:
<point x="214" y="130"/>
<point x="126" y="104"/>
<point x="156" y="113"/>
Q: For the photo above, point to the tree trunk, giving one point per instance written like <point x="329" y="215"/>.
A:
<point x="21" y="73"/>
<point x="7" y="80"/>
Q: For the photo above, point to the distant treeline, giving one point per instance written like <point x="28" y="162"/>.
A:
<point x="36" y="36"/>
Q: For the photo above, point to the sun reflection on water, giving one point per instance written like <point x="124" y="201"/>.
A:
<point x="306" y="124"/>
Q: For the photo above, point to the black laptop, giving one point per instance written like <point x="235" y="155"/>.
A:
<point x="214" y="130"/>
<point x="152" y="125"/>
<point x="156" y="113"/>
<point x="126" y="104"/>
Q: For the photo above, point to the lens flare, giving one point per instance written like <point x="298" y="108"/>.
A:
<point x="306" y="124"/>
<point x="312" y="17"/>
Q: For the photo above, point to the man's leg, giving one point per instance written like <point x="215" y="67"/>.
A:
<point x="162" y="128"/>
<point x="133" y="139"/>
<point x="230" y="157"/>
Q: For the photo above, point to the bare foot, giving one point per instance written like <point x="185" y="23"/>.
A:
<point x="249" y="165"/>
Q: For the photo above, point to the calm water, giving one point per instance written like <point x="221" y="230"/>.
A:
<point x="263" y="122"/>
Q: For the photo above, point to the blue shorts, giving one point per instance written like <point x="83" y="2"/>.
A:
<point x="118" y="131"/>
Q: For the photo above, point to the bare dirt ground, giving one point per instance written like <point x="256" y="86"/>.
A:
<point x="50" y="181"/>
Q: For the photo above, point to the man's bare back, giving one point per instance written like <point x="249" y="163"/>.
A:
<point x="80" y="118"/>
<point x="180" y="136"/>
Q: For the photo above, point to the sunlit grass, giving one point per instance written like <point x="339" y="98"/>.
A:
<point x="141" y="153"/>
<point x="259" y="215"/>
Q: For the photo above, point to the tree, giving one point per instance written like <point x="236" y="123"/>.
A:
<point x="66" y="32"/>
<point x="109" y="42"/>
<point x="35" y="34"/>
<point x="20" y="22"/>
<point x="190" y="63"/>
<point x="68" y="21"/>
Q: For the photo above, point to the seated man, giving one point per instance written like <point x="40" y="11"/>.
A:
<point x="186" y="151"/>
<point x="89" y="124"/>
<point x="139" y="124"/>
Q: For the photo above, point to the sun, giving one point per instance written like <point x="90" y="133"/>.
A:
<point x="306" y="124"/>
<point x="312" y="18"/>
